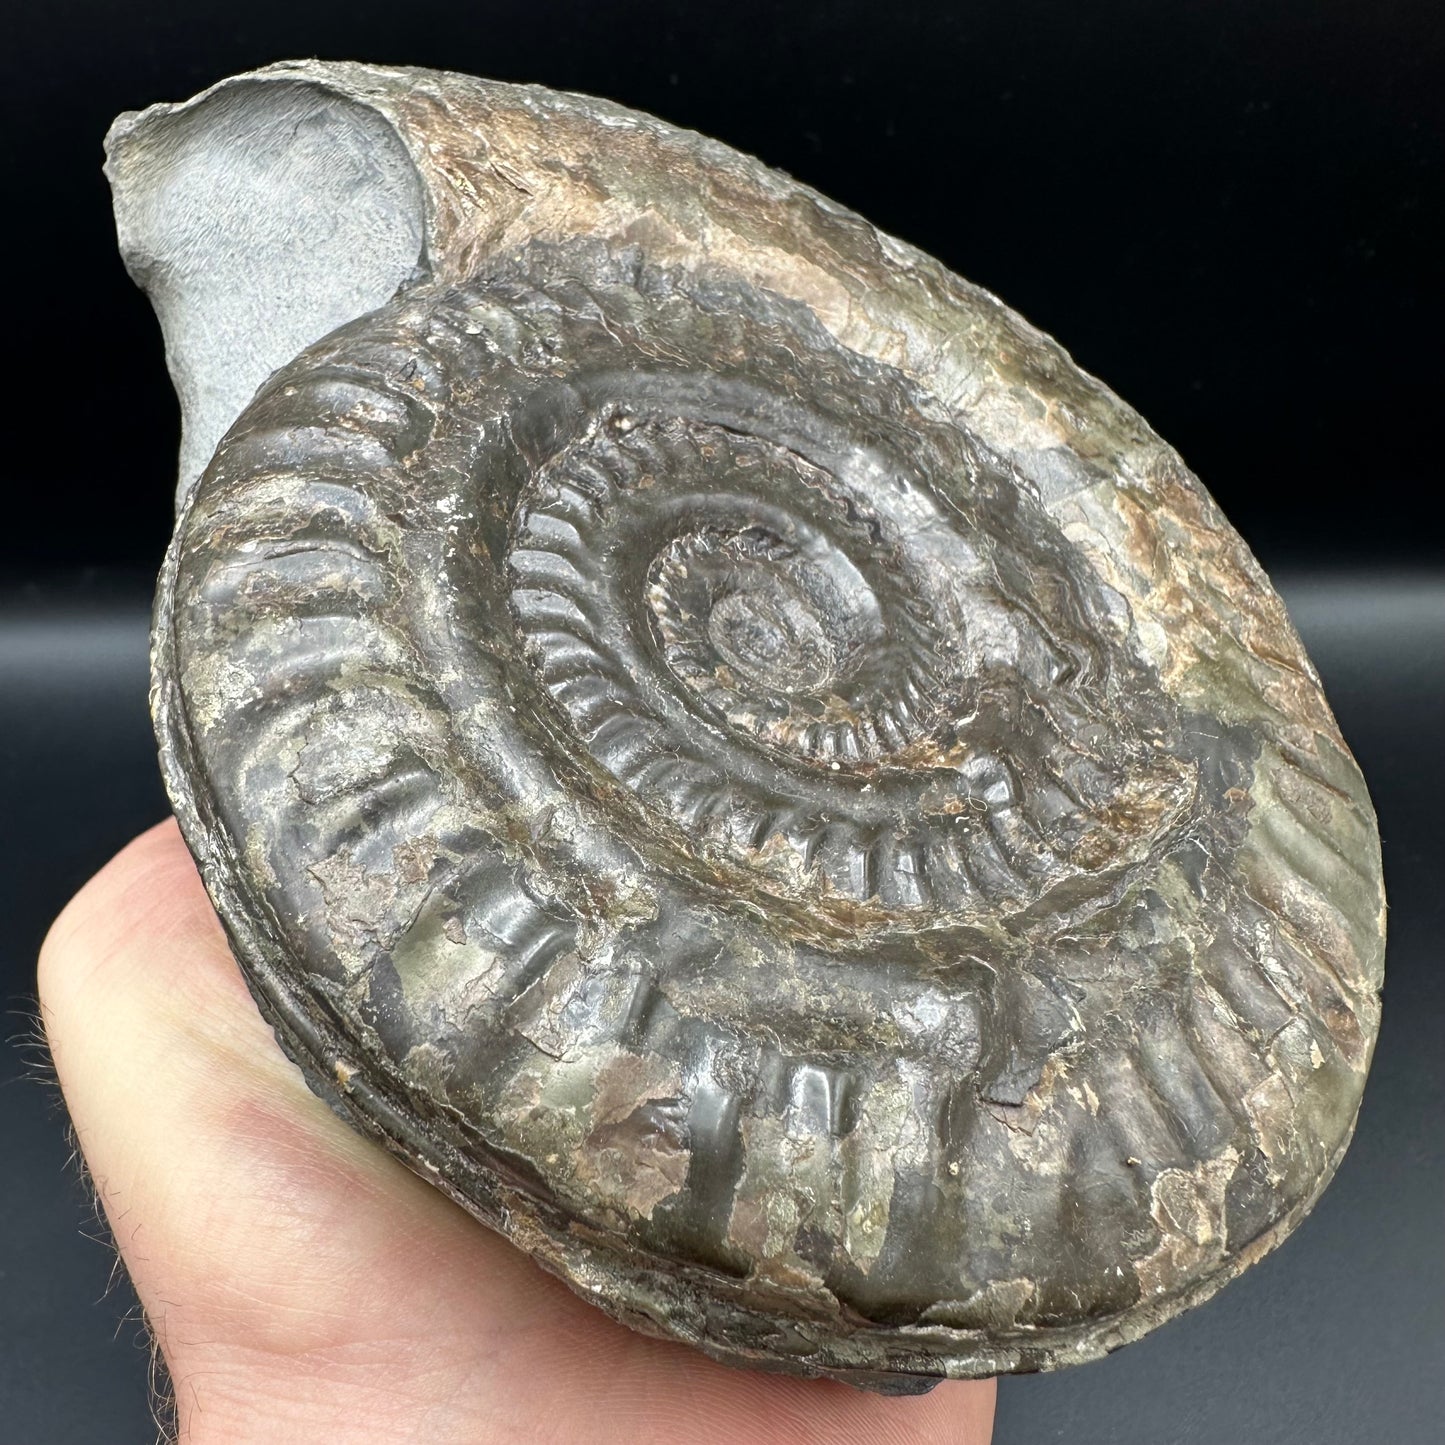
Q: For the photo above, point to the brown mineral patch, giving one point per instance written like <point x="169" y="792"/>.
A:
<point x="1188" y="1207"/>
<point x="636" y="1153"/>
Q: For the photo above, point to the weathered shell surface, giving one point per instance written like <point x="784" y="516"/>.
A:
<point x="721" y="747"/>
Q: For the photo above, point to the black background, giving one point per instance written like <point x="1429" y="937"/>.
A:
<point x="1229" y="211"/>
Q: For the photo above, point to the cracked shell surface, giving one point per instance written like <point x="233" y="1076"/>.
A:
<point x="718" y="745"/>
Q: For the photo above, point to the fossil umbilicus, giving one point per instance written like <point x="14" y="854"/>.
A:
<point x="718" y="745"/>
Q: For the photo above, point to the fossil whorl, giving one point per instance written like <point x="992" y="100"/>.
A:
<point x="716" y="743"/>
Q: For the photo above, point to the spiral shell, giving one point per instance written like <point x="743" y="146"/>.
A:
<point x="719" y="746"/>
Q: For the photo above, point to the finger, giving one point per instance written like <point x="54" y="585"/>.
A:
<point x="299" y="1280"/>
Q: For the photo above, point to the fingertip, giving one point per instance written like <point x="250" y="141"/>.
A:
<point x="142" y="927"/>
<point x="149" y="882"/>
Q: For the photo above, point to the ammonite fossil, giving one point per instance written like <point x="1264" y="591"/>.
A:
<point x="719" y="746"/>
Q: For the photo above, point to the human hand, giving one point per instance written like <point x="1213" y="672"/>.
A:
<point x="302" y="1285"/>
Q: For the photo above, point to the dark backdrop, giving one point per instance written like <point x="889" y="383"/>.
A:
<point x="1230" y="210"/>
<point x="1227" y="209"/>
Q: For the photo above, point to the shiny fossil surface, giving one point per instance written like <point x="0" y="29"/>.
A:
<point x="719" y="746"/>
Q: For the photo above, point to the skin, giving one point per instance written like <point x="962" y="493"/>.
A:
<point x="301" y="1284"/>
